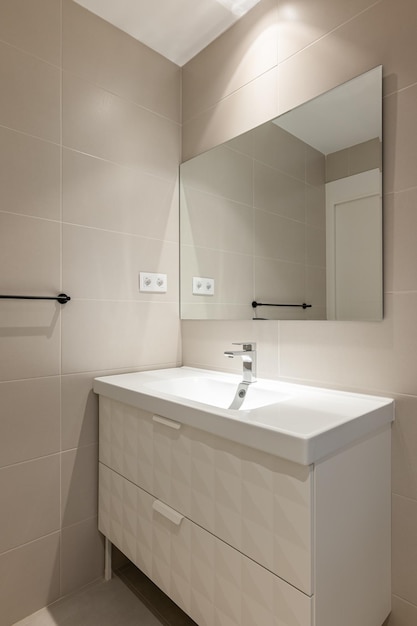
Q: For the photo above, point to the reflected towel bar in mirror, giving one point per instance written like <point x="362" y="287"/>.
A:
<point x="301" y="306"/>
<point x="62" y="298"/>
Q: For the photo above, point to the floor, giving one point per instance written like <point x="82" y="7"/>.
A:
<point x="128" y="599"/>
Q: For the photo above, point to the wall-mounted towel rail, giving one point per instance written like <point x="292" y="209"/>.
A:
<point x="62" y="298"/>
<point x="302" y="306"/>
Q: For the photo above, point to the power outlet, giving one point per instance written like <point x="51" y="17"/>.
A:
<point x="155" y="283"/>
<point x="203" y="286"/>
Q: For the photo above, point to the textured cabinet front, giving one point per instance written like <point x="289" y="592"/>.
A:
<point x="259" y="504"/>
<point x="208" y="579"/>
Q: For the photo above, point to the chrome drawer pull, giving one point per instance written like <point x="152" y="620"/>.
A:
<point x="166" y="511"/>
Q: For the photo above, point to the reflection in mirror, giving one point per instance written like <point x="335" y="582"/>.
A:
<point x="289" y="213"/>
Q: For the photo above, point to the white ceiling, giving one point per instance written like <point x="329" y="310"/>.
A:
<point x="177" y="29"/>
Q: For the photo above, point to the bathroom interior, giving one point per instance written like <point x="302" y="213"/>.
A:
<point x="94" y="125"/>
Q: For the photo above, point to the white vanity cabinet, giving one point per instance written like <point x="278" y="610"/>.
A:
<point x="237" y="536"/>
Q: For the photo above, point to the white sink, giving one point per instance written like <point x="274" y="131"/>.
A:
<point x="217" y="391"/>
<point x="299" y="423"/>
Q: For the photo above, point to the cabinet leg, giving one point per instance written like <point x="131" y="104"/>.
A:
<point x="107" y="559"/>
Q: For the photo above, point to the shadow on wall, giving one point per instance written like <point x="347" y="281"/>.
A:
<point x="82" y="544"/>
<point x="33" y="321"/>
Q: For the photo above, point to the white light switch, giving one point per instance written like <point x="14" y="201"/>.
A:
<point x="203" y="286"/>
<point x="156" y="283"/>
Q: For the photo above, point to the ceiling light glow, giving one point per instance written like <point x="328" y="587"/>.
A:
<point x="238" y="7"/>
<point x="289" y="12"/>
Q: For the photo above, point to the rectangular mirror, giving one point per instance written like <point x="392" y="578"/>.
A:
<point x="285" y="221"/>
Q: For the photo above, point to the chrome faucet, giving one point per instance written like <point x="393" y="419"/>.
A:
<point x="248" y="355"/>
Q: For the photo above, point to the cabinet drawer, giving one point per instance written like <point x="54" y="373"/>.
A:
<point x="256" y="502"/>
<point x="208" y="579"/>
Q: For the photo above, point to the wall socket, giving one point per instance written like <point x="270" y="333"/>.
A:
<point x="156" y="283"/>
<point x="203" y="286"/>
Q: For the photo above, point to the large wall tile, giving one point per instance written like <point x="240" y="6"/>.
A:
<point x="79" y="418"/>
<point x="231" y="287"/>
<point x="376" y="355"/>
<point x="30" y="419"/>
<point x="304" y="76"/>
<point x="105" y="195"/>
<point x="29" y="493"/>
<point x="79" y="421"/>
<point x="112" y="335"/>
<point x="207" y="174"/>
<point x="315" y="246"/>
<point x="403" y="613"/>
<point x="38" y="33"/>
<point x="404" y="548"/>
<point x="285" y="280"/>
<point x="400" y="140"/>
<point x="315" y="167"/>
<point x="103" y="264"/>
<point x="102" y="124"/>
<point x="216" y="310"/>
<point x="236" y="287"/>
<point x="111" y="58"/>
<point x="199" y="262"/>
<point x="82" y="555"/>
<point x="206" y="349"/>
<point x="289" y="159"/>
<point x="279" y="238"/>
<point x="215" y="222"/>
<point x="400" y="225"/>
<point x="316" y="206"/>
<point x="404" y="447"/>
<point x="79" y="479"/>
<point x="37" y="163"/>
<point x="30" y="249"/>
<point x="357" y="46"/>
<point x="302" y="22"/>
<point x="244" y="109"/>
<point x="316" y="290"/>
<point x="278" y="193"/>
<point x="29" y="578"/>
<point x="218" y="70"/>
<point x="365" y="156"/>
<point x="29" y="339"/>
<point x="30" y="94"/>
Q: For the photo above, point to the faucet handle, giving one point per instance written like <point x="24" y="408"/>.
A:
<point x="248" y="346"/>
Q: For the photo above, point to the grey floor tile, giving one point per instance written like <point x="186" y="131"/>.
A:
<point x="101" y="604"/>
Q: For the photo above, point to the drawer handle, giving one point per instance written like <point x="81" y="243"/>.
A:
<point x="166" y="422"/>
<point x="165" y="510"/>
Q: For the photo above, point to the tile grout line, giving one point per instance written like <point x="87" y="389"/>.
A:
<point x="61" y="284"/>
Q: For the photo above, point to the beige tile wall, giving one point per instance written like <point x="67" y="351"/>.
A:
<point x="318" y="45"/>
<point x="89" y="143"/>
<point x="89" y="149"/>
<point x="354" y="160"/>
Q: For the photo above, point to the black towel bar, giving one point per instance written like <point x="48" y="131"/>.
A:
<point x="62" y="298"/>
<point x="302" y="306"/>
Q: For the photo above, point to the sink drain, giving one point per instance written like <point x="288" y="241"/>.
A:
<point x="240" y="395"/>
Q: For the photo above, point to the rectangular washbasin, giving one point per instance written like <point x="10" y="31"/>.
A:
<point x="297" y="422"/>
<point x="216" y="392"/>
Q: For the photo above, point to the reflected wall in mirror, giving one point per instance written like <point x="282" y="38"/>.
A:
<point x="289" y="213"/>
